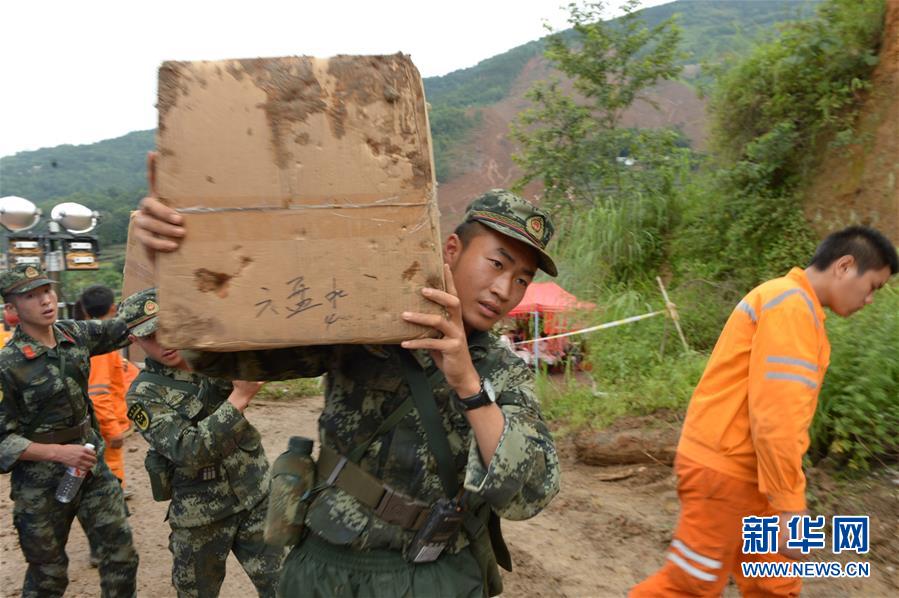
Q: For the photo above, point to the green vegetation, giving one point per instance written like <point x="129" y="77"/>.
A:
<point x="635" y="369"/>
<point x="713" y="30"/>
<point x="112" y="263"/>
<point x="714" y="226"/>
<point x="858" y="415"/>
<point x="772" y="112"/>
<point x="572" y="142"/>
<point x="102" y="169"/>
<point x="636" y="204"/>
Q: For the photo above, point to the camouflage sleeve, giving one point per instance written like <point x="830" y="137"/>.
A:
<point x="269" y="364"/>
<point x="102" y="336"/>
<point x="163" y="417"/>
<point x="524" y="474"/>
<point x="12" y="445"/>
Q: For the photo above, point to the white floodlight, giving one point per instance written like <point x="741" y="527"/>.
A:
<point x="74" y="217"/>
<point x="18" y="214"/>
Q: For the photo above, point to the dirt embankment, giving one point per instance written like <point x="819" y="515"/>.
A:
<point x="607" y="529"/>
<point x="860" y="182"/>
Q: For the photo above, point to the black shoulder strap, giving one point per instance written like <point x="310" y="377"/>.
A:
<point x="387" y="424"/>
<point x="432" y="422"/>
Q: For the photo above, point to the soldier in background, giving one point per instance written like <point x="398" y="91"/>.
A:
<point x="45" y="419"/>
<point x="206" y="457"/>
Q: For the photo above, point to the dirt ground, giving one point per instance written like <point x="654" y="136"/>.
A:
<point x="606" y="530"/>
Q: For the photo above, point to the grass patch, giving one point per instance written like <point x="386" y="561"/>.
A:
<point x="636" y="369"/>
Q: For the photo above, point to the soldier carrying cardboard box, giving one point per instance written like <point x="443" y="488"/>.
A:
<point x="365" y="520"/>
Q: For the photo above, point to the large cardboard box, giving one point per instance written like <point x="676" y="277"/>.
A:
<point x="307" y="187"/>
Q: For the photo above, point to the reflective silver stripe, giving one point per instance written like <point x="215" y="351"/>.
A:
<point x="743" y="306"/>
<point x="793" y="361"/>
<point x="698" y="573"/>
<point x="99" y="386"/>
<point x="702" y="560"/>
<point x="780" y="298"/>
<point x="792" y="377"/>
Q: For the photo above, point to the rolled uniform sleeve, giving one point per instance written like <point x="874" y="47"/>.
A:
<point x="169" y="429"/>
<point x="523" y="475"/>
<point x="262" y="365"/>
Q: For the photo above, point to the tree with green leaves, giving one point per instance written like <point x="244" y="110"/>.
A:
<point x="571" y="138"/>
<point x="612" y="188"/>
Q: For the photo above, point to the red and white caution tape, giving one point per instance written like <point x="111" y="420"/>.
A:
<point x="599" y="327"/>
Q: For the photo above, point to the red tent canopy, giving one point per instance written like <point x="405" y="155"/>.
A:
<point x="549" y="297"/>
<point x="550" y="300"/>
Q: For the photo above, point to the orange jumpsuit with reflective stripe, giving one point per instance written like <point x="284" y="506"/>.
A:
<point x="744" y="437"/>
<point x="106" y="388"/>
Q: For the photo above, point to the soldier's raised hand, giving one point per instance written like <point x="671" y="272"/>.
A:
<point x="450" y="352"/>
<point x="157" y="226"/>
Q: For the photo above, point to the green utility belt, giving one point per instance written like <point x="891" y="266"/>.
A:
<point x="80" y="433"/>
<point x="394" y="508"/>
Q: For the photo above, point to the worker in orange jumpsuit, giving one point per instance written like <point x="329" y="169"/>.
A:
<point x="746" y="430"/>
<point x="106" y="386"/>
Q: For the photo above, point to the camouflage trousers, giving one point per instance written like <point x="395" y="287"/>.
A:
<point x="43" y="525"/>
<point x="318" y="569"/>
<point x="199" y="554"/>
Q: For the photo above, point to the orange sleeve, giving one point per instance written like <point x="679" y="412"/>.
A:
<point x="118" y="389"/>
<point x="784" y="379"/>
<point x="100" y="390"/>
<point x="130" y="372"/>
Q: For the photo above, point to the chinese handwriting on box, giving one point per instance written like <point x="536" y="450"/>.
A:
<point x="300" y="298"/>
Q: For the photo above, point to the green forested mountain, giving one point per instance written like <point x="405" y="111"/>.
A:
<point x="109" y="176"/>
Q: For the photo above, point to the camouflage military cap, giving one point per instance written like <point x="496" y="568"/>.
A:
<point x="509" y="214"/>
<point x="139" y="312"/>
<point x="21" y="279"/>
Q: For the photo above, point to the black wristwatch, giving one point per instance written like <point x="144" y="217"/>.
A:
<point x="485" y="396"/>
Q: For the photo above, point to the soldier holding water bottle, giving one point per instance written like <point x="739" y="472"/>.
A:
<point x="47" y="435"/>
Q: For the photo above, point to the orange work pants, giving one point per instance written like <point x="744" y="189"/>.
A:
<point x="115" y="460"/>
<point x="708" y="540"/>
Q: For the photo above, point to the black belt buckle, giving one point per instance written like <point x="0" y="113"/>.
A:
<point x="439" y="530"/>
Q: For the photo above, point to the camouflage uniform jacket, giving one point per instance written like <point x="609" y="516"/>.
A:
<point x="364" y="385"/>
<point x="219" y="465"/>
<point x="34" y="394"/>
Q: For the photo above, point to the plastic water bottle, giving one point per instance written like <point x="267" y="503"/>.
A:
<point x="71" y="482"/>
<point x="293" y="474"/>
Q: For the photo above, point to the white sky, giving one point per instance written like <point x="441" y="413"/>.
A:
<point x="79" y="71"/>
